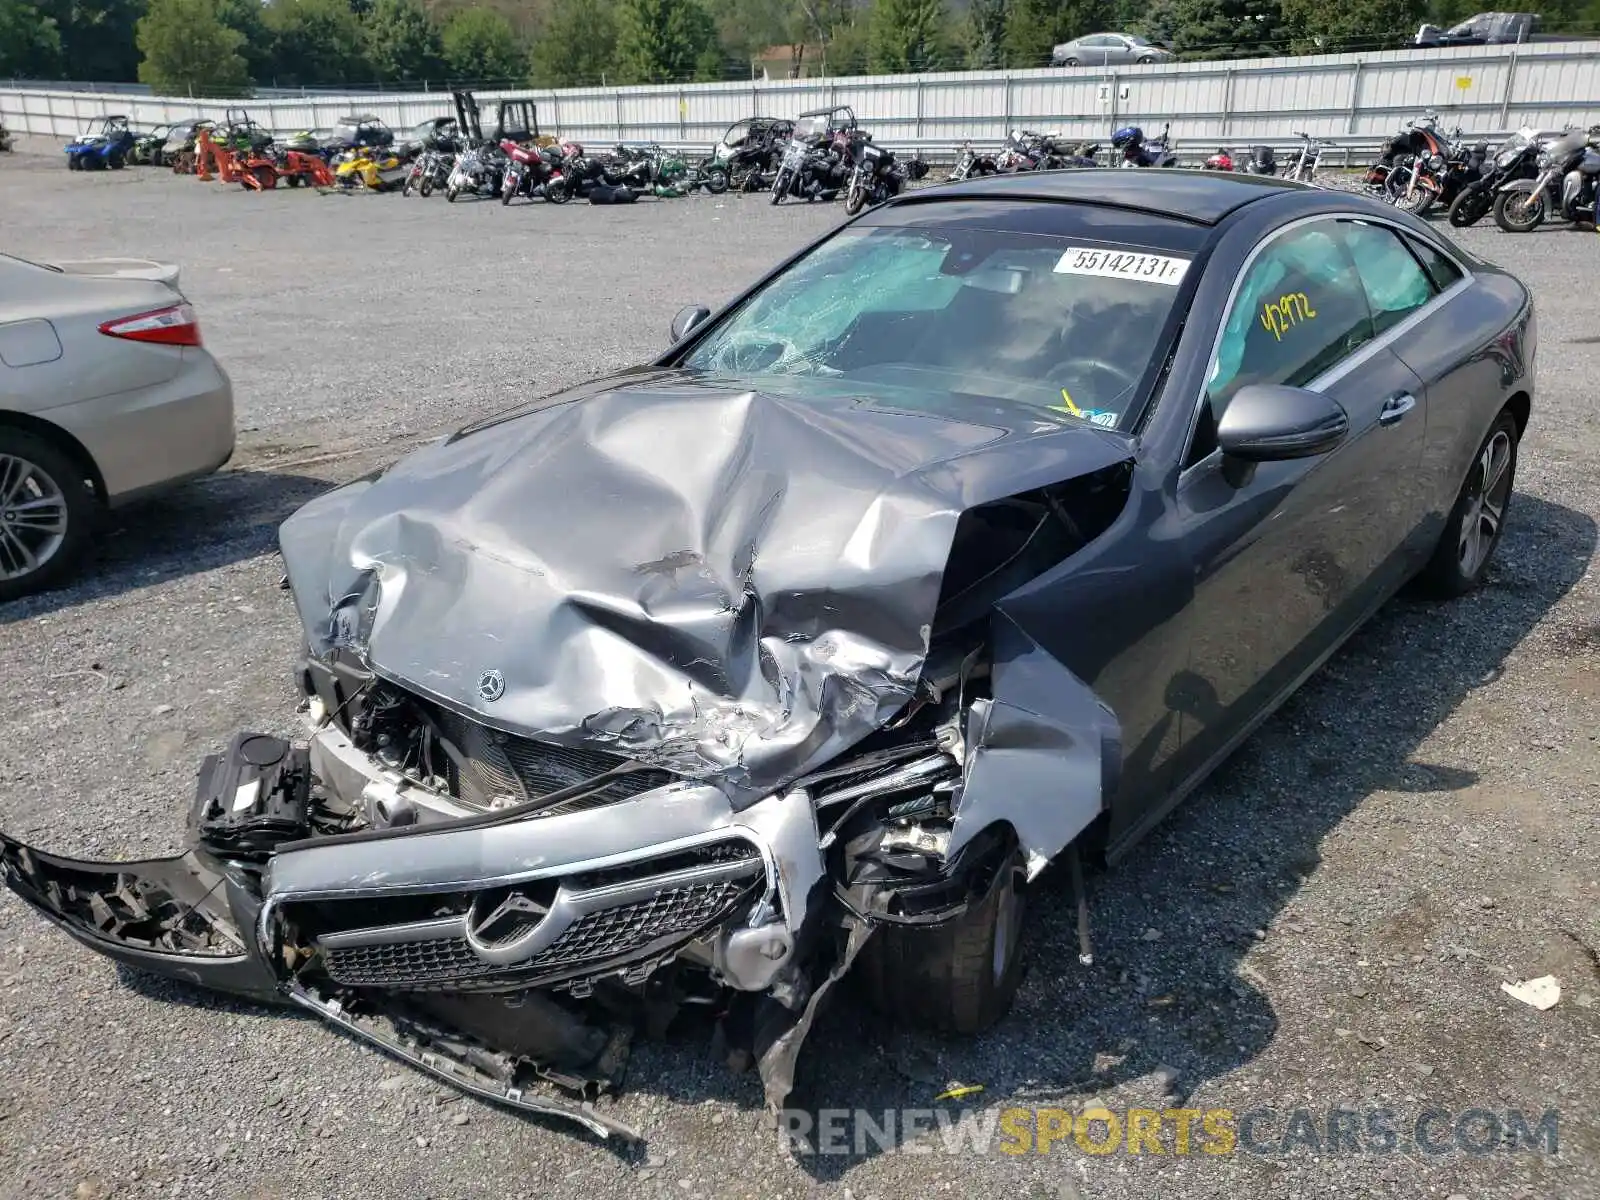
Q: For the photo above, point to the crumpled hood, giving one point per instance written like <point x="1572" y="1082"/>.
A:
<point x="730" y="584"/>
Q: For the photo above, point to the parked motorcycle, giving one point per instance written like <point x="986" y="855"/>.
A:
<point x="876" y="175"/>
<point x="1515" y="158"/>
<point x="1220" y="161"/>
<point x="816" y="160"/>
<point x="530" y="170"/>
<point x="1263" y="160"/>
<point x="1417" y="182"/>
<point x="1139" y="151"/>
<point x="477" y="171"/>
<point x="429" y="170"/>
<point x="1307" y="159"/>
<point x="1564" y="186"/>
<point x="971" y="163"/>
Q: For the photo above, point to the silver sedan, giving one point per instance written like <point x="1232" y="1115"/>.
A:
<point x="106" y="394"/>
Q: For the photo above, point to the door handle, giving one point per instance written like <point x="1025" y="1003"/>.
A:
<point x="1396" y="407"/>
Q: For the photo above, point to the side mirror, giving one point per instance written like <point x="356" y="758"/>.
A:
<point x="687" y="320"/>
<point x="1269" y="423"/>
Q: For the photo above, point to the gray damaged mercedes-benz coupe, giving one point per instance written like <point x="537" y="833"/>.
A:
<point x="968" y="540"/>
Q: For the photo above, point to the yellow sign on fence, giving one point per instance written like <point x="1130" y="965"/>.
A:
<point x="1463" y="82"/>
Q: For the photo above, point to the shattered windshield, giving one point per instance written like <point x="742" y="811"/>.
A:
<point x="995" y="315"/>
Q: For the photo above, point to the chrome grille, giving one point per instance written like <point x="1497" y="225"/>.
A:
<point x="672" y="914"/>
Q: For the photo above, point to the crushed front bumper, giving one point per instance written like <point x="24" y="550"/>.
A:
<point x="620" y="890"/>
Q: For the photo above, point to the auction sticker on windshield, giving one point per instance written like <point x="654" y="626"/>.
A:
<point x="1122" y="264"/>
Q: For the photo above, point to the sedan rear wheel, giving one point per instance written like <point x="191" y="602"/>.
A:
<point x="46" y="509"/>
<point x="1477" y="521"/>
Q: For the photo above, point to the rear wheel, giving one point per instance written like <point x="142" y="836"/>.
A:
<point x="1478" y="518"/>
<point x="1519" y="212"/>
<point x="116" y="162"/>
<point x="74" y="162"/>
<point x="1071" y="62"/>
<point x="958" y="977"/>
<point x="47" y="509"/>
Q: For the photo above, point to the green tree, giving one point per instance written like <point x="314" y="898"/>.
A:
<point x="248" y="17"/>
<point x="577" y="45"/>
<point x="1211" y="29"/>
<point x="1034" y="27"/>
<point x="986" y="34"/>
<point x="662" y="41"/>
<point x="316" y="42"/>
<point x="189" y="51"/>
<point x="30" y="43"/>
<point x="906" y="35"/>
<point x="402" y="41"/>
<point x="481" y="46"/>
<point x="1318" y="27"/>
<point x="97" y="37"/>
<point x="747" y="27"/>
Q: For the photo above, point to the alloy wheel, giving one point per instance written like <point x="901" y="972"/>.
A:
<point x="1486" y="505"/>
<point x="33" y="517"/>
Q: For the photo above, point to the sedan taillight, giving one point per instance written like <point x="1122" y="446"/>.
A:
<point x="174" y="326"/>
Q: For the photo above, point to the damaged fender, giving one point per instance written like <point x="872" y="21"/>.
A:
<point x="1041" y="756"/>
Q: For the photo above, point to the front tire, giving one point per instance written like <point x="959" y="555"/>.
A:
<point x="451" y="192"/>
<point x="47" y="514"/>
<point x="1471" y="206"/>
<point x="1519" y="212"/>
<point x="716" y="181"/>
<point x="856" y="198"/>
<point x="959" y="977"/>
<point x="1477" y="520"/>
<point x="780" y="185"/>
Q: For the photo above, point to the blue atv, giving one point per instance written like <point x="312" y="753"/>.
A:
<point x="106" y="147"/>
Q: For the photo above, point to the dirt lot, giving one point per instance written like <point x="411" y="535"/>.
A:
<point x="1325" y="926"/>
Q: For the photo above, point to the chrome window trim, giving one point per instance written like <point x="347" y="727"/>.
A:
<point x="1362" y="353"/>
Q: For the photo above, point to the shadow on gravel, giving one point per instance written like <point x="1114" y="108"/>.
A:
<point x="212" y="522"/>
<point x="1169" y="995"/>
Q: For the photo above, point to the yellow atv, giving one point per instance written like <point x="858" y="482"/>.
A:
<point x="371" y="167"/>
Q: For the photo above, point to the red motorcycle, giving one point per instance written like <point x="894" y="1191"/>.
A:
<point x="1220" y="161"/>
<point x="534" y="171"/>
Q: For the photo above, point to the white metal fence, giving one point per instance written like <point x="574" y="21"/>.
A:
<point x="1347" y="98"/>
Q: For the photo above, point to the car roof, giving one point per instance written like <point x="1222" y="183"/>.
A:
<point x="1199" y="197"/>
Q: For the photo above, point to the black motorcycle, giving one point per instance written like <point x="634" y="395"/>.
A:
<point x="1565" y="186"/>
<point x="1263" y="160"/>
<point x="876" y="174"/>
<point x="1515" y="158"/>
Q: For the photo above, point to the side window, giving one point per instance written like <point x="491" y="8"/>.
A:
<point x="1300" y="308"/>
<point x="1444" y="272"/>
<point x="1395" y="282"/>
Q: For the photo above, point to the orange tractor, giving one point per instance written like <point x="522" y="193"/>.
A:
<point x="257" y="170"/>
<point x="261" y="172"/>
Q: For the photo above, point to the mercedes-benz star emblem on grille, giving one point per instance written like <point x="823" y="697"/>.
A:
<point x="491" y="686"/>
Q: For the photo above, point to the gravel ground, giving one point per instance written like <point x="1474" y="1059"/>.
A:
<point x="1327" y="923"/>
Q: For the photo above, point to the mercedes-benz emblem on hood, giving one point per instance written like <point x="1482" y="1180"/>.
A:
<point x="491" y="686"/>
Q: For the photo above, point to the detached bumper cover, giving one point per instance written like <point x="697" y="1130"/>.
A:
<point x="188" y="917"/>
